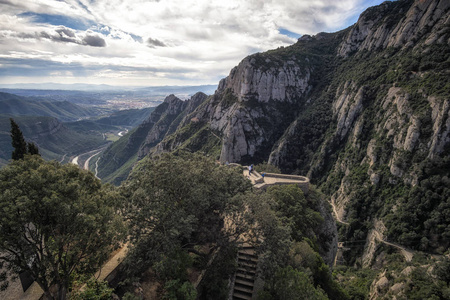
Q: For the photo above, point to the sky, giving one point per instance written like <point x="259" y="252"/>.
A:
<point x="153" y="43"/>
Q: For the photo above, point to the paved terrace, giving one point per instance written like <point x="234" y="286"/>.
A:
<point x="267" y="179"/>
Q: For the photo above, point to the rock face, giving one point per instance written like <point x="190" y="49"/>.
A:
<point x="260" y="98"/>
<point x="159" y="123"/>
<point x="264" y="82"/>
<point x="398" y="24"/>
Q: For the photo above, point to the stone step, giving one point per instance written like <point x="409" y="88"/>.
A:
<point x="248" y="256"/>
<point x="240" y="296"/>
<point x="247" y="250"/>
<point x="244" y="276"/>
<point x="246" y="271"/>
<point x="243" y="288"/>
<point x="248" y="262"/>
<point x="246" y="282"/>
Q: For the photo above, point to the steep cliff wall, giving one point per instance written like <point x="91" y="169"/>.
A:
<point x="398" y="24"/>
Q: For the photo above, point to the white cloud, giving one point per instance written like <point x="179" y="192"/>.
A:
<point x="172" y="40"/>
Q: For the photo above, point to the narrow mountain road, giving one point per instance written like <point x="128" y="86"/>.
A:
<point x="78" y="160"/>
<point x="408" y="254"/>
<point x="75" y="160"/>
<point x="86" y="163"/>
<point x="96" y="167"/>
<point x="62" y="159"/>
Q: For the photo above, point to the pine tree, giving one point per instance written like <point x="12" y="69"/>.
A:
<point x="18" y="142"/>
<point x="32" y="149"/>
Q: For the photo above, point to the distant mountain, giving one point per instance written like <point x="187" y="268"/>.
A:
<point x="55" y="141"/>
<point x="116" y="121"/>
<point x="174" y="89"/>
<point x="70" y="87"/>
<point x="177" y="90"/>
<point x="63" y="110"/>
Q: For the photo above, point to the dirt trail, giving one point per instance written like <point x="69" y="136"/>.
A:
<point x="408" y="254"/>
<point x="336" y="214"/>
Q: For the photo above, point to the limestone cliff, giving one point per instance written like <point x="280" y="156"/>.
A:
<point x="254" y="105"/>
<point x="398" y="24"/>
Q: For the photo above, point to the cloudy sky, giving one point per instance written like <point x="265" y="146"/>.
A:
<point x="160" y="42"/>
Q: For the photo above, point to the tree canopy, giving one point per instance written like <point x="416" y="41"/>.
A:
<point x="178" y="202"/>
<point x="56" y="221"/>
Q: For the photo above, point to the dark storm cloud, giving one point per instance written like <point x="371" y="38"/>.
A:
<point x="152" y="43"/>
<point x="94" y="41"/>
<point x="67" y="35"/>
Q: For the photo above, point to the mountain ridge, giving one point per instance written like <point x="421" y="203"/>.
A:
<point x="348" y="109"/>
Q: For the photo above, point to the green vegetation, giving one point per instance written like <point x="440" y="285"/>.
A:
<point x="18" y="142"/>
<point x="94" y="290"/>
<point x="356" y="282"/>
<point x="177" y="205"/>
<point x="291" y="284"/>
<point x="52" y="138"/>
<point x="21" y="148"/>
<point x="119" y="157"/>
<point x="56" y="222"/>
<point x="289" y="226"/>
<point x="14" y="105"/>
<point x="267" y="168"/>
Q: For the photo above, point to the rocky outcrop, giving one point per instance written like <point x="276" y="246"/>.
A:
<point x="250" y="122"/>
<point x="440" y="114"/>
<point x="267" y="80"/>
<point x="161" y="123"/>
<point x="251" y="107"/>
<point x="399" y="24"/>
<point x="347" y="107"/>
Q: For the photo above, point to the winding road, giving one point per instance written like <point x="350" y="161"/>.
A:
<point x="408" y="254"/>
<point x="91" y="154"/>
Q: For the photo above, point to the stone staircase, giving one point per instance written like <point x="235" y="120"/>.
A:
<point x="246" y="274"/>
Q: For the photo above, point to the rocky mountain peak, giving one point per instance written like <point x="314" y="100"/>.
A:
<point x="171" y="98"/>
<point x="399" y="24"/>
<point x="265" y="79"/>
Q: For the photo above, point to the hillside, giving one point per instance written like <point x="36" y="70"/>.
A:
<point x="364" y="112"/>
<point x="116" y="121"/>
<point x="117" y="161"/>
<point x="55" y="141"/>
<point x="14" y="105"/>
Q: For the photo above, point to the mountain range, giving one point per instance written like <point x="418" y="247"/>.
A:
<point x="364" y="112"/>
